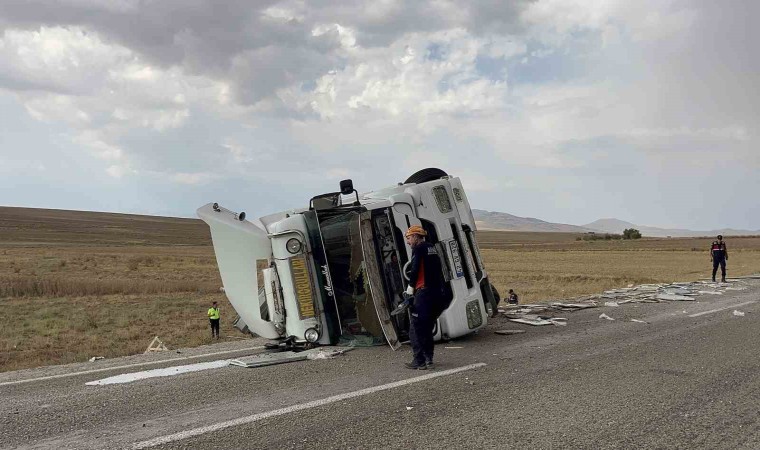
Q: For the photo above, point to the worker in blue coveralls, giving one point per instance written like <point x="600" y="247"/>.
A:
<point x="719" y="256"/>
<point x="427" y="285"/>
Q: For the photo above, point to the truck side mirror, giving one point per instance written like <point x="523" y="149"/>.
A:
<point x="346" y="187"/>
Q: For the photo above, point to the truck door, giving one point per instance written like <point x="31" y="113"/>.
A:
<point x="374" y="278"/>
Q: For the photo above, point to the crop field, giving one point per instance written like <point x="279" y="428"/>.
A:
<point x="78" y="284"/>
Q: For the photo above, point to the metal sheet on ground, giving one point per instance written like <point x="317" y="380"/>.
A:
<point x="531" y="321"/>
<point x="508" y="332"/>
<point x="270" y="359"/>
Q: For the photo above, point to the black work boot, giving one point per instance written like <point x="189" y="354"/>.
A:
<point x="413" y="365"/>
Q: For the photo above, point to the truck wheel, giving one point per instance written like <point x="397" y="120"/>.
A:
<point x="425" y="175"/>
<point x="496" y="295"/>
<point x="490" y="297"/>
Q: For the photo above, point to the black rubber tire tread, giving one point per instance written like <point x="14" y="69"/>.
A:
<point x="425" y="175"/>
<point x="496" y="295"/>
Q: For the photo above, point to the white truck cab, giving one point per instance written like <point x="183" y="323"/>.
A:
<point x="331" y="273"/>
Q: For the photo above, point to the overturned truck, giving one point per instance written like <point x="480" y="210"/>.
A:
<point x="331" y="273"/>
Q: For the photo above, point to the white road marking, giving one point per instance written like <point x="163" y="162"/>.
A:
<point x="290" y="409"/>
<point x="163" y="372"/>
<point x="105" y="369"/>
<point x="721" y="309"/>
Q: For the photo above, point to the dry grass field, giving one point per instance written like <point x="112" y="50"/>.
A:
<point x="81" y="284"/>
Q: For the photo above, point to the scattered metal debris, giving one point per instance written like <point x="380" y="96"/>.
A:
<point x="530" y="319"/>
<point x="738" y="313"/>
<point x="508" y="332"/>
<point x="538" y="314"/>
<point x="573" y="306"/>
<point x="269" y="359"/>
<point x="95" y="358"/>
<point x="325" y="353"/>
<point x="674" y="297"/>
<point x="536" y="320"/>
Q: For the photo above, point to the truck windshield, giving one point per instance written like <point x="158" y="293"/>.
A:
<point x="359" y="324"/>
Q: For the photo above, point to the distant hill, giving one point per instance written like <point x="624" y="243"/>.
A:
<point x="502" y="221"/>
<point x="34" y="226"/>
<point x="491" y="220"/>
<point x="617" y="226"/>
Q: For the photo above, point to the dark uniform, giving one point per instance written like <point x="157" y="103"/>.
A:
<point x="426" y="276"/>
<point x="719" y="255"/>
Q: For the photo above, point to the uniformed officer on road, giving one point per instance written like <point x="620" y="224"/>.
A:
<point x="719" y="256"/>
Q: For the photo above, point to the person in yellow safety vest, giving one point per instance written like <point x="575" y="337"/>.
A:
<point x="213" y="317"/>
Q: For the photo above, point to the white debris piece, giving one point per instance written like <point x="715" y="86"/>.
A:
<point x="165" y="372"/>
<point x="738" y="313"/>
<point x="638" y="321"/>
<point x="674" y="297"/>
<point x="573" y="306"/>
<point x="605" y="316"/>
<point x="326" y="353"/>
<point x="532" y="320"/>
<point x="95" y="358"/>
<point x="611" y="304"/>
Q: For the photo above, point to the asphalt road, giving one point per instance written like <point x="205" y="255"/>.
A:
<point x="685" y="379"/>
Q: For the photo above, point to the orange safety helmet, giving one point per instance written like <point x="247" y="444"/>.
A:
<point x="416" y="229"/>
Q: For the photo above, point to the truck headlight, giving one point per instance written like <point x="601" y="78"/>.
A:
<point x="293" y="245"/>
<point x="311" y="335"/>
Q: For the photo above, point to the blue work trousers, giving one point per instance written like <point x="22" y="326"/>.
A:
<point x="722" y="263"/>
<point x="424" y="313"/>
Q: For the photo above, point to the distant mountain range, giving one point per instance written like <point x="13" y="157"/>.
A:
<point x="617" y="226"/>
<point x="502" y="221"/>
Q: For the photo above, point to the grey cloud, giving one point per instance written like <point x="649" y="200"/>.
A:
<point x="235" y="41"/>
<point x="205" y="37"/>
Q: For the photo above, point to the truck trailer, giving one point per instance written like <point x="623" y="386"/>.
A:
<point x="332" y="272"/>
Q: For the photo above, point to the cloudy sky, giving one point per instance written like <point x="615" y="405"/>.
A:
<point x="565" y="110"/>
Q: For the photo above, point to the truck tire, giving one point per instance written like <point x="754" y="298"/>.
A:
<point x="497" y="299"/>
<point x="491" y="297"/>
<point x="425" y="175"/>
